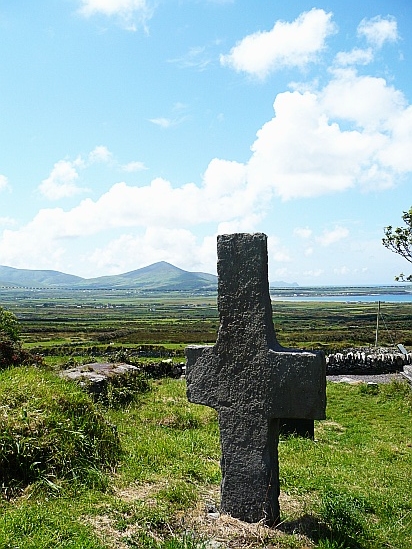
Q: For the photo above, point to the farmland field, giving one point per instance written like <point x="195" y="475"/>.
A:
<point x="72" y="321"/>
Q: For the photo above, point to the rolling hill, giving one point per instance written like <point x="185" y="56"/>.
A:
<point x="158" y="276"/>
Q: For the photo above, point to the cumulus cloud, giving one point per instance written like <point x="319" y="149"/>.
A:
<point x="303" y="232"/>
<point x="130" y="13"/>
<point x="177" y="246"/>
<point x="300" y="153"/>
<point x="287" y="45"/>
<point x="357" y="56"/>
<point x="100" y="154"/>
<point x="367" y="101"/>
<point x="379" y="30"/>
<point x="4" y="221"/>
<point x="353" y="132"/>
<point x="332" y="237"/>
<point x="62" y="181"/>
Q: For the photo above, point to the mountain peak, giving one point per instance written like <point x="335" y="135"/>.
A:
<point x="162" y="276"/>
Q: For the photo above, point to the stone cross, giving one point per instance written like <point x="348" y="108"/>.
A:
<point x="251" y="381"/>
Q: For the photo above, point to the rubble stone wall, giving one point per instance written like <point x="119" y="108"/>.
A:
<point x="367" y="360"/>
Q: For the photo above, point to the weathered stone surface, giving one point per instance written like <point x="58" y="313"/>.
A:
<point x="251" y="381"/>
<point x="95" y="375"/>
<point x="407" y="373"/>
<point x="367" y="360"/>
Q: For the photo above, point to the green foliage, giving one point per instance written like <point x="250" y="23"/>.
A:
<point x="50" y="430"/>
<point x="12" y="354"/>
<point x="11" y="351"/>
<point x="125" y="389"/>
<point x="9" y="325"/>
<point x="399" y="240"/>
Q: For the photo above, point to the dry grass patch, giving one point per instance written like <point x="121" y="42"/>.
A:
<point x="202" y="523"/>
<point x="225" y="532"/>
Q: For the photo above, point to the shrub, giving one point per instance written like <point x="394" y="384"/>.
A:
<point x="12" y="354"/>
<point x="9" y="325"/>
<point x="50" y="430"/>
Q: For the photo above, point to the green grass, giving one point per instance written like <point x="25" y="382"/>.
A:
<point x="358" y="470"/>
<point x="50" y="431"/>
<point x="350" y="488"/>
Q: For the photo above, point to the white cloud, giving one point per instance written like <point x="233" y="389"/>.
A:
<point x="134" y="166"/>
<point x="277" y="251"/>
<point x="170" y="122"/>
<point x="331" y="237"/>
<point x="301" y="153"/>
<point x="379" y="30"/>
<point x="356" y="131"/>
<point x="163" y="122"/>
<point x="4" y="221"/>
<point x="367" y="101"/>
<point x="130" y="13"/>
<point x="397" y="153"/>
<point x="313" y="273"/>
<point x="177" y="246"/>
<point x="303" y="232"/>
<point x="4" y="182"/>
<point x="287" y="45"/>
<point x="357" y="56"/>
<point x="342" y="271"/>
<point x="100" y="154"/>
<point x="61" y="182"/>
<point x="197" y="57"/>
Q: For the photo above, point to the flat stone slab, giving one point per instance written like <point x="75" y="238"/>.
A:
<point x="95" y="375"/>
<point x="407" y="373"/>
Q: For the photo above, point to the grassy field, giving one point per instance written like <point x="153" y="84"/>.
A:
<point x="153" y="481"/>
<point x="349" y="488"/>
<point x="52" y="319"/>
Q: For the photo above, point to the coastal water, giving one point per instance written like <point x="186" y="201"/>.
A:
<point x="345" y="294"/>
<point x="392" y="298"/>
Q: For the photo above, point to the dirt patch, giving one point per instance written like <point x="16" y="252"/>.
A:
<point x="204" y="522"/>
<point x="138" y="492"/>
<point x="225" y="532"/>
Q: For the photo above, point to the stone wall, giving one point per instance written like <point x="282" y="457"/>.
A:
<point x="367" y="360"/>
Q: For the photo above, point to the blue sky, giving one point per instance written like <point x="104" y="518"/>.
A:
<point x="135" y="131"/>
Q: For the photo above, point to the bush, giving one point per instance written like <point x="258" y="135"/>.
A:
<point x="50" y="430"/>
<point x="9" y="325"/>
<point x="12" y="354"/>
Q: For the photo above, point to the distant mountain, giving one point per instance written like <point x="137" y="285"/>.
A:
<point x="10" y="276"/>
<point x="282" y="284"/>
<point x="158" y="276"/>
